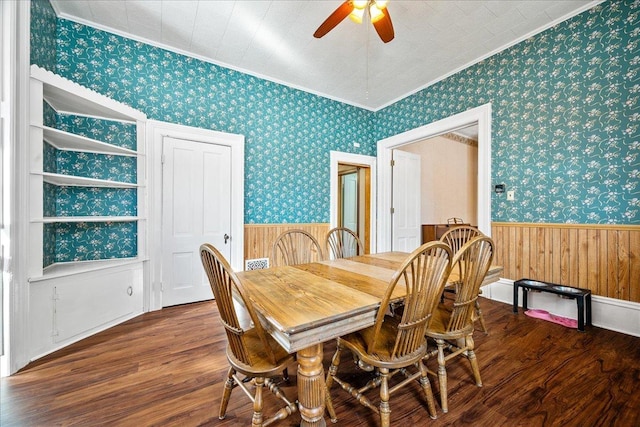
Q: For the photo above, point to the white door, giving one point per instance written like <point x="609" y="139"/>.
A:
<point x="406" y="227"/>
<point x="196" y="209"/>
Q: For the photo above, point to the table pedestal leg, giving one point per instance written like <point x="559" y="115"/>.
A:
<point x="311" y="387"/>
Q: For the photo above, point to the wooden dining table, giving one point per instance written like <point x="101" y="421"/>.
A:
<point x="303" y="306"/>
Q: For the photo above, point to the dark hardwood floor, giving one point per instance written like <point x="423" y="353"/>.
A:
<point x="167" y="368"/>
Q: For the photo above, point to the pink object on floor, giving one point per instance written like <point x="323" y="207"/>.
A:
<point x="545" y="315"/>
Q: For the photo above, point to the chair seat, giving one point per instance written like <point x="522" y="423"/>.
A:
<point x="381" y="355"/>
<point x="262" y="365"/>
<point x="438" y="326"/>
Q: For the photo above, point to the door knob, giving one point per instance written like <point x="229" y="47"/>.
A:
<point x="226" y="238"/>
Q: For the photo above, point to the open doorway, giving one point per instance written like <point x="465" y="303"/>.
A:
<point x="480" y="116"/>
<point x="354" y="200"/>
<point x="448" y="176"/>
<point x="353" y="195"/>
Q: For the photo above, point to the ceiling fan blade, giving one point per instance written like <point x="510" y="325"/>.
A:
<point x="334" y="19"/>
<point x="384" y="27"/>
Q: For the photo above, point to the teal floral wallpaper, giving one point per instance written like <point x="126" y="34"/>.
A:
<point x="288" y="133"/>
<point x="83" y="241"/>
<point x="565" y="118"/>
<point x="110" y="131"/>
<point x="43" y="34"/>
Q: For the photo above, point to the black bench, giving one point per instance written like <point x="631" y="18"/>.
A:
<point x="581" y="295"/>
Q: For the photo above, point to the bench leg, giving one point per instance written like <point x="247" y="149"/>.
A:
<point x="580" y="302"/>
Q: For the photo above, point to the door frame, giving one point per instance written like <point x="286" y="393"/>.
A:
<point x="156" y="131"/>
<point x="354" y="159"/>
<point x="480" y="115"/>
<point x="15" y="63"/>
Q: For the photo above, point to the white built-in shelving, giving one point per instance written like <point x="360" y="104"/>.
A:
<point x="67" y="97"/>
<point x="75" y="297"/>
<point x="63" y="140"/>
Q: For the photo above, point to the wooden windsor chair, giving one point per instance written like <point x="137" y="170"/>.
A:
<point x="394" y="344"/>
<point x="452" y="323"/>
<point x="250" y="350"/>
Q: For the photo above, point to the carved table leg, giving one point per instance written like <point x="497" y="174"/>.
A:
<point x="311" y="386"/>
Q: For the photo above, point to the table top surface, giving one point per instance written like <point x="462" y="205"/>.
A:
<point x="307" y="304"/>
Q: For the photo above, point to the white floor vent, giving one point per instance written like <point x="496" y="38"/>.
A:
<point x="256" y="264"/>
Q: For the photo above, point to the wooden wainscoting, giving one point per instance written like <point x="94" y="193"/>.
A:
<point x="258" y="238"/>
<point x="603" y="258"/>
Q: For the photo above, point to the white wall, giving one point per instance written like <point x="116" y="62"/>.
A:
<point x="449" y="178"/>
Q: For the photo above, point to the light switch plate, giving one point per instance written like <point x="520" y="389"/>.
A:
<point x="511" y="195"/>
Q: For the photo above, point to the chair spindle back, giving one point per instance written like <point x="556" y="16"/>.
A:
<point x="343" y="243"/>
<point x="294" y="247"/>
<point x="423" y="274"/>
<point x="474" y="260"/>
<point x="224" y="285"/>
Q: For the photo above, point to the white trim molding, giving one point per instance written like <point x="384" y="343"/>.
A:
<point x="15" y="52"/>
<point x="482" y="117"/>
<point x="607" y="313"/>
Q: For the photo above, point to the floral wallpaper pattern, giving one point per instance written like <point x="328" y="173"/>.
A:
<point x="565" y="125"/>
<point x="66" y="201"/>
<point x="565" y="118"/>
<point x="112" y="132"/>
<point x="97" y="166"/>
<point x="85" y="241"/>
<point x="288" y="133"/>
<point x="43" y="34"/>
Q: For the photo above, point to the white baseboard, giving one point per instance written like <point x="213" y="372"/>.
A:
<point x="608" y="313"/>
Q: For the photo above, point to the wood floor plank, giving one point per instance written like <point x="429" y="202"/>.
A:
<point x="167" y="368"/>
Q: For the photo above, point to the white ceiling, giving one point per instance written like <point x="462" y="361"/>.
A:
<point x="274" y="39"/>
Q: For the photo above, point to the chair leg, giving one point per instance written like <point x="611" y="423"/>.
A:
<point x="481" y="318"/>
<point x="329" y="405"/>
<point x="385" y="410"/>
<point x="226" y="393"/>
<point x="256" y="421"/>
<point x="333" y="370"/>
<point x="442" y="376"/>
<point x="471" y="355"/>
<point x="426" y="387"/>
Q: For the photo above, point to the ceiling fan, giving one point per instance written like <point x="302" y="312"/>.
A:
<point x="355" y="10"/>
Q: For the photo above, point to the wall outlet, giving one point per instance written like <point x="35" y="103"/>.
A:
<point x="511" y="195"/>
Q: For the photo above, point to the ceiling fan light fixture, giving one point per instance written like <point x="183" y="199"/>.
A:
<point x="355" y="10"/>
<point x="357" y="15"/>
<point x="381" y="3"/>
<point x="375" y="13"/>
